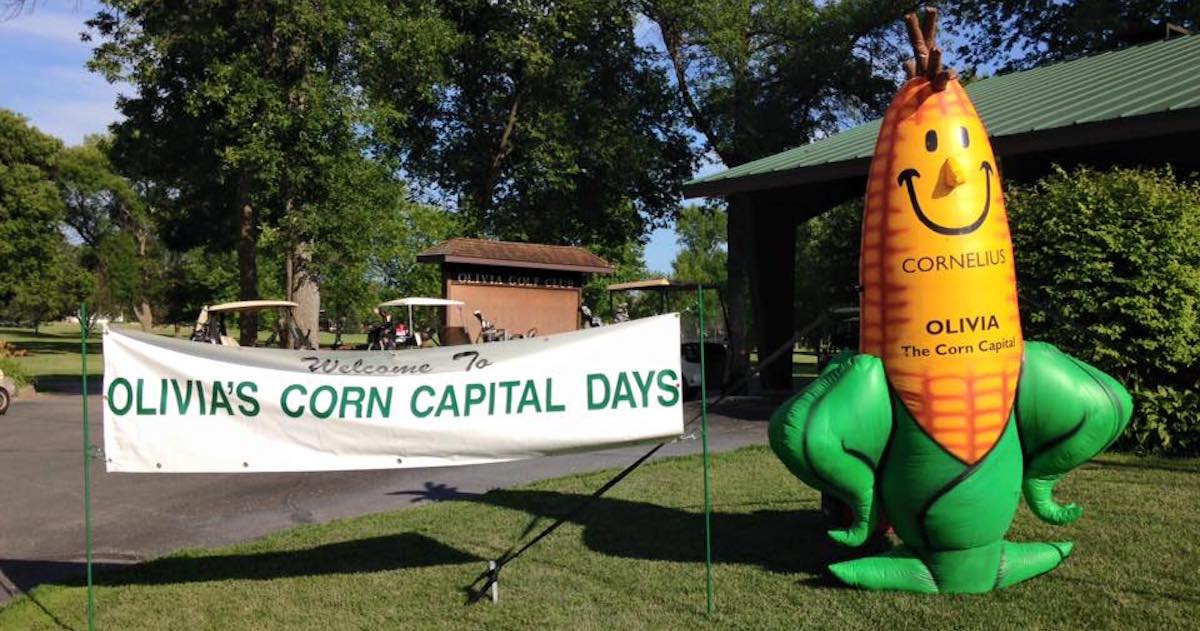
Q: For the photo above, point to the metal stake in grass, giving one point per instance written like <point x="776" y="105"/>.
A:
<point x="87" y="466"/>
<point x="704" y="447"/>
<point x="495" y="588"/>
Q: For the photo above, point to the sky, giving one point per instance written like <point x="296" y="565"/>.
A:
<point x="44" y="78"/>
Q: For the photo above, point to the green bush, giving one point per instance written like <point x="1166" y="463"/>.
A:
<point x="14" y="371"/>
<point x="1109" y="271"/>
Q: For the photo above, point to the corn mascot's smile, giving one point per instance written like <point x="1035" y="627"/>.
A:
<point x="946" y="416"/>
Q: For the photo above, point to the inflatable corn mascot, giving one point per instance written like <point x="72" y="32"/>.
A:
<point x="946" y="415"/>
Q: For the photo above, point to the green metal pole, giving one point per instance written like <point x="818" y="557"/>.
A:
<point x="704" y="447"/>
<point x="87" y="469"/>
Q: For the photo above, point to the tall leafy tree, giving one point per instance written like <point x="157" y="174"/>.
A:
<point x="112" y="225"/>
<point x="543" y="121"/>
<point x="240" y="111"/>
<point x="760" y="76"/>
<point x="1017" y="34"/>
<point x="30" y="207"/>
<point x="43" y="280"/>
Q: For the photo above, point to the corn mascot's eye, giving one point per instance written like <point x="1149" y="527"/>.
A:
<point x="966" y="139"/>
<point x="931" y="140"/>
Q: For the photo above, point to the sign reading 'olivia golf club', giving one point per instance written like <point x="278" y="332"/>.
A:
<point x="175" y="406"/>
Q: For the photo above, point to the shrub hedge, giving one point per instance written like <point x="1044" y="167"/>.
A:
<point x="1109" y="270"/>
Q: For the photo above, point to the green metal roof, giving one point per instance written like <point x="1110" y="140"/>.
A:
<point x="1155" y="78"/>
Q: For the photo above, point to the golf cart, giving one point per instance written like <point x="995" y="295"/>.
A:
<point x="716" y="349"/>
<point x="389" y="335"/>
<point x="8" y="389"/>
<point x="211" y="329"/>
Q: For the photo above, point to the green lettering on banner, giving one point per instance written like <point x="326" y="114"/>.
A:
<point x="142" y="410"/>
<point x="593" y="404"/>
<point x="220" y="400"/>
<point x="623" y="392"/>
<point x="508" y="388"/>
<point x="670" y="387"/>
<point x="413" y="403"/>
<point x="182" y="402"/>
<point x="644" y="386"/>
<point x="551" y="406"/>
<point x="200" y="396"/>
<point x="359" y="395"/>
<point x="283" y="400"/>
<point x="249" y="404"/>
<point x="162" y="396"/>
<point x="112" y="388"/>
<point x="449" y="402"/>
<point x="312" y="402"/>
<point x="529" y="397"/>
<point x="376" y="401"/>
<point x="476" y="393"/>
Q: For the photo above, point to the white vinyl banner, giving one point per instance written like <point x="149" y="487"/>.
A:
<point x="177" y="406"/>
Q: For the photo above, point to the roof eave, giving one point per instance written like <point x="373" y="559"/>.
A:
<point x="1032" y="141"/>
<point x="796" y="176"/>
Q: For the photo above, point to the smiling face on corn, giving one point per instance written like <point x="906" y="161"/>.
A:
<point x="949" y="188"/>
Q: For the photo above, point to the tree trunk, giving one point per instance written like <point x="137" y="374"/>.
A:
<point x="247" y="246"/>
<point x="144" y="315"/>
<point x="738" y="286"/>
<point x="306" y="293"/>
<point x="142" y="310"/>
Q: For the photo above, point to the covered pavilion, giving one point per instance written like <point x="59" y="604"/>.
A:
<point x="1138" y="106"/>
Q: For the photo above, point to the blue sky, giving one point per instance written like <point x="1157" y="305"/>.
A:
<point x="42" y="76"/>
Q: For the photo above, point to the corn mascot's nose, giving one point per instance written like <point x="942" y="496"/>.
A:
<point x="953" y="172"/>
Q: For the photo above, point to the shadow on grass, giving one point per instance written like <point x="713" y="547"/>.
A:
<point x="785" y="541"/>
<point x="45" y="343"/>
<point x="69" y="384"/>
<point x="376" y="554"/>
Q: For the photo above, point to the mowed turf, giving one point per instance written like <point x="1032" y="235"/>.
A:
<point x="635" y="560"/>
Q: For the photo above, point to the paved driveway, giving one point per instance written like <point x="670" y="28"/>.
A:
<point x="140" y="516"/>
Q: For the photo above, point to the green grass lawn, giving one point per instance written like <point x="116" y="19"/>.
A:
<point x="635" y="561"/>
<point x="54" y="351"/>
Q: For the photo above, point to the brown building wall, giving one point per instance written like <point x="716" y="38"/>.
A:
<point x="518" y="309"/>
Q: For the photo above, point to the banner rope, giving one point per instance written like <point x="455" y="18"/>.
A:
<point x="483" y="584"/>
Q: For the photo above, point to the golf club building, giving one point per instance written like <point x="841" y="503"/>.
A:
<point x="517" y="286"/>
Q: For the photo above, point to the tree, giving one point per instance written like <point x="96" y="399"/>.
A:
<point x="760" y="76"/>
<point x="240" y="112"/>
<point x="700" y="234"/>
<point x="111" y="220"/>
<point x="1109" y="270"/>
<point x="30" y="208"/>
<point x="55" y="291"/>
<point x="629" y="264"/>
<point x="1017" y="34"/>
<point x="544" y="120"/>
<point x="827" y="252"/>
<point x="702" y="258"/>
<point x="365" y="240"/>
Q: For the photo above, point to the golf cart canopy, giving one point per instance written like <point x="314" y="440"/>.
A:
<point x="421" y="302"/>
<point x="660" y="284"/>
<point x="249" y="305"/>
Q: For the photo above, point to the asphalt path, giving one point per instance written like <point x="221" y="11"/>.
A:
<point x="142" y="516"/>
